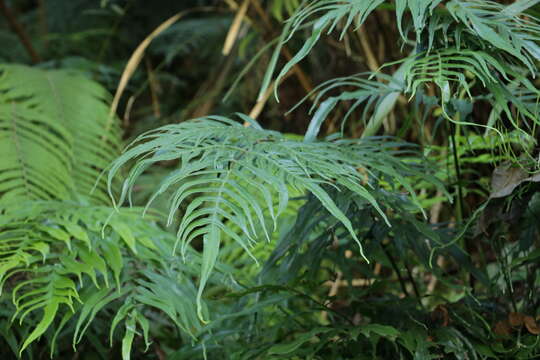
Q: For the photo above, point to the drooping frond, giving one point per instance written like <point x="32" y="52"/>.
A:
<point x="437" y="25"/>
<point x="331" y="14"/>
<point x="229" y="175"/>
<point x="376" y="96"/>
<point x="454" y="72"/>
<point x="500" y="26"/>
<point x="56" y="134"/>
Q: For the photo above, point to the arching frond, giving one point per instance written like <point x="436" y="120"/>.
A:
<point x="454" y="72"/>
<point x="56" y="134"/>
<point x="225" y="167"/>
<point x="376" y="96"/>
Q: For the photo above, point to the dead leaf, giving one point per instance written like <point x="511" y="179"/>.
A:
<point x="515" y="319"/>
<point x="531" y="325"/>
<point x="506" y="178"/>
<point x="502" y="328"/>
<point x="440" y="315"/>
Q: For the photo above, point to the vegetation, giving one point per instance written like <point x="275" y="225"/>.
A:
<point x="279" y="179"/>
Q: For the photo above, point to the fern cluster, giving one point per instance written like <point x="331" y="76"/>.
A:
<point x="222" y="237"/>
<point x="238" y="176"/>
<point x="66" y="258"/>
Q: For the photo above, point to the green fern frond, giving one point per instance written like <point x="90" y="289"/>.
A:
<point x="374" y="95"/>
<point x="55" y="134"/>
<point x="74" y="261"/>
<point x="461" y="21"/>
<point x="331" y="14"/>
<point x="225" y="167"/>
<point x="455" y="72"/>
<point x="36" y="154"/>
<point x="500" y="26"/>
<point x="460" y="67"/>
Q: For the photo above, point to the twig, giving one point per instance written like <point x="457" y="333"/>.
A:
<point x="396" y="269"/>
<point x="215" y="83"/>
<point x="234" y="30"/>
<point x="334" y="288"/>
<point x="371" y="60"/>
<point x="18" y="29"/>
<point x="300" y="74"/>
<point x="415" y="288"/>
<point x="259" y="106"/>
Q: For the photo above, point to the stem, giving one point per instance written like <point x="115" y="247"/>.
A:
<point x="19" y="30"/>
<point x="415" y="287"/>
<point x="459" y="205"/>
<point x="396" y="269"/>
<point x="502" y="260"/>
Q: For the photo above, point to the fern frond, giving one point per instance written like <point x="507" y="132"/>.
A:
<point x="332" y="13"/>
<point x="462" y="21"/>
<point x="72" y="262"/>
<point x="225" y="167"/>
<point x="453" y="66"/>
<point x="36" y="154"/>
<point x="372" y="94"/>
<point x="455" y="72"/>
<point x="500" y="26"/>
<point x="56" y="134"/>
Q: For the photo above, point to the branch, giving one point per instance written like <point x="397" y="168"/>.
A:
<point x="18" y="29"/>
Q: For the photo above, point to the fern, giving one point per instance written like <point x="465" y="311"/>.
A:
<point x="331" y="13"/>
<point x="78" y="261"/>
<point x="461" y="24"/>
<point x="375" y="95"/>
<point x="63" y="261"/>
<point x="497" y="25"/>
<point x="500" y="26"/>
<point x="224" y="167"/>
<point x="56" y="135"/>
<point x="466" y="48"/>
<point x="71" y="265"/>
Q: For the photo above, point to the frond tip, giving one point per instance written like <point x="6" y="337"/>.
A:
<point x="228" y="174"/>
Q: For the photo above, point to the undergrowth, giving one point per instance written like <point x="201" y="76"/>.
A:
<point x="281" y="179"/>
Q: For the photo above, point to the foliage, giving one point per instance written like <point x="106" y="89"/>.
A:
<point x="400" y="224"/>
